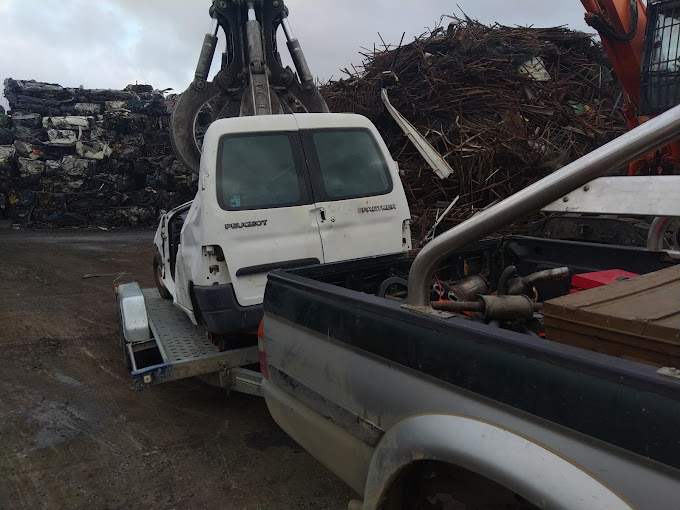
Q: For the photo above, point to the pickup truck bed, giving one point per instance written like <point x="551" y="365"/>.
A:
<point x="374" y="390"/>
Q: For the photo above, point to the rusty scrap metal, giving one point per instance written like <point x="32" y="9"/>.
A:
<point x="475" y="93"/>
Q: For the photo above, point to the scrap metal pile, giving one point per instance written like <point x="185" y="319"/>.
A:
<point x="505" y="106"/>
<point x="71" y="156"/>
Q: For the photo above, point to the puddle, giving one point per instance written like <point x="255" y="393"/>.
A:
<point x="57" y="423"/>
<point x="70" y="381"/>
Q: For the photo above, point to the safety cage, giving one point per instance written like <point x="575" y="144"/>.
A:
<point x="660" y="77"/>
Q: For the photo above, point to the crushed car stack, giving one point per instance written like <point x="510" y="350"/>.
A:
<point x="77" y="157"/>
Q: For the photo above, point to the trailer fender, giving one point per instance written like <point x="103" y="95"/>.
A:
<point x="520" y="464"/>
<point x="133" y="318"/>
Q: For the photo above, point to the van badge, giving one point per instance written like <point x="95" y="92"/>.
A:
<point x="258" y="223"/>
<point x="376" y="208"/>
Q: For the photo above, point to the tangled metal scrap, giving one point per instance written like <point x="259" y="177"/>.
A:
<point x="505" y="106"/>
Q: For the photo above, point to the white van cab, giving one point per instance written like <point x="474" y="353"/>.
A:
<point x="277" y="191"/>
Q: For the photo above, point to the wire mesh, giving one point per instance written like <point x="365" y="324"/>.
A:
<point x="660" y="77"/>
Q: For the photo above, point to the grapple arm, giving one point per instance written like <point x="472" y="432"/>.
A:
<point x="251" y="80"/>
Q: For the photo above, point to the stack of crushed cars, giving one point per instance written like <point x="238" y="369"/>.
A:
<point x="78" y="157"/>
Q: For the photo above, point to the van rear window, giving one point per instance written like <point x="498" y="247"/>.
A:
<point x="259" y="171"/>
<point x="350" y="163"/>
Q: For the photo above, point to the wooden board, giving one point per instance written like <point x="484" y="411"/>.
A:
<point x="636" y="319"/>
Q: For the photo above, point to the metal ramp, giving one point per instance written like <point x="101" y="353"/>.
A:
<point x="177" y="349"/>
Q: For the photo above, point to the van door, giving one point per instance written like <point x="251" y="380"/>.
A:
<point x="270" y="220"/>
<point x="362" y="208"/>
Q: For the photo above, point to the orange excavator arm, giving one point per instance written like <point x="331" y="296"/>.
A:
<point x="621" y="25"/>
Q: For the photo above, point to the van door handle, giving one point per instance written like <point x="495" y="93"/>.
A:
<point x="322" y="212"/>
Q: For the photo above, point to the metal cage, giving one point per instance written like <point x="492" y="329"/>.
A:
<point x="660" y="77"/>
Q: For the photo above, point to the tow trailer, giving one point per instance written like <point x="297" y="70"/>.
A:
<point x="282" y="183"/>
<point x="160" y="344"/>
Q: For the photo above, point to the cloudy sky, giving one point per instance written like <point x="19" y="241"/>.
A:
<point x="110" y="43"/>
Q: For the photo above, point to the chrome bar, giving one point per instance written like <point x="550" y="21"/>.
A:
<point x="656" y="232"/>
<point x="619" y="152"/>
<point x="287" y="30"/>
<point x="296" y="54"/>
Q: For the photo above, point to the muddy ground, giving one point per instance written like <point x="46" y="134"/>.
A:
<point x="73" y="431"/>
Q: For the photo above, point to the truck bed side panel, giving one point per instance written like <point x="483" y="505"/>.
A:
<point x="627" y="405"/>
<point x="354" y="393"/>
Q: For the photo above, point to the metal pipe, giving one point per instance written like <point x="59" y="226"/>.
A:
<point x="656" y="233"/>
<point x="206" y="56"/>
<point x="287" y="30"/>
<point x="525" y="284"/>
<point x="619" y="152"/>
<point x="503" y="279"/>
<point x="256" y="58"/>
<point x="493" y="307"/>
<point x="557" y="273"/>
<point x="296" y="54"/>
<point x="459" y="306"/>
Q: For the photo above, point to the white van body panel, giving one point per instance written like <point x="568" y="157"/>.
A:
<point x="253" y="239"/>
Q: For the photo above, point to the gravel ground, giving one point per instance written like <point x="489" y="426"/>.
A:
<point x="73" y="431"/>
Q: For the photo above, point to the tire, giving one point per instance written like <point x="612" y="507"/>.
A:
<point x="158" y="278"/>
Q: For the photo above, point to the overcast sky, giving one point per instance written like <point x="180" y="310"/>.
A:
<point x="110" y="43"/>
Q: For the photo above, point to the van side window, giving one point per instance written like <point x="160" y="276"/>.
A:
<point x="259" y="171"/>
<point x="350" y="163"/>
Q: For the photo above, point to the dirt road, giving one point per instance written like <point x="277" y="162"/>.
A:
<point x="73" y="432"/>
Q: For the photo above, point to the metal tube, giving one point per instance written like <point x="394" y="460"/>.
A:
<point x="619" y="152"/>
<point x="296" y="54"/>
<point x="558" y="273"/>
<point x="656" y="233"/>
<point x="287" y="29"/>
<point x="525" y="284"/>
<point x="299" y="61"/>
<point x="459" y="306"/>
<point x="251" y="12"/>
<point x="503" y="279"/>
<point x="206" y="56"/>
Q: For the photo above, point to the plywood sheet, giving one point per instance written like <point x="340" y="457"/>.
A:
<point x="636" y="319"/>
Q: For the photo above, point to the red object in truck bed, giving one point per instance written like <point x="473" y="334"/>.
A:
<point x="597" y="279"/>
